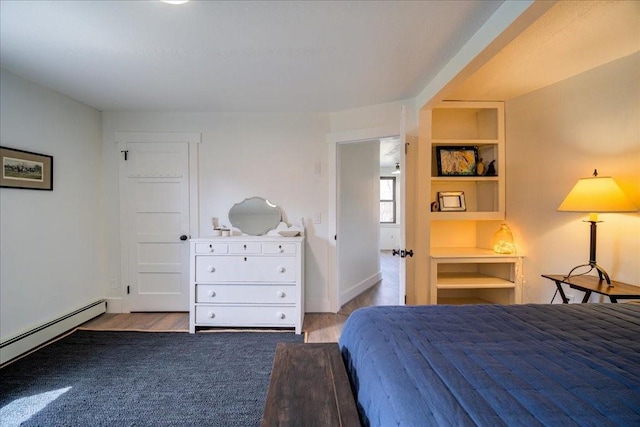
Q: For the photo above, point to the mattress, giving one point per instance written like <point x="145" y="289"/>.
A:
<point x="490" y="365"/>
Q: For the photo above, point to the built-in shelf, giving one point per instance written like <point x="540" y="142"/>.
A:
<point x="471" y="281"/>
<point x="469" y="274"/>
<point x="462" y="301"/>
<point x="461" y="141"/>
<point x="467" y="252"/>
<point x="464" y="179"/>
<point x="479" y="124"/>
<point x="468" y="216"/>
<point x="475" y="273"/>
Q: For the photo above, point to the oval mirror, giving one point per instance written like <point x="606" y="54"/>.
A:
<point x="255" y="216"/>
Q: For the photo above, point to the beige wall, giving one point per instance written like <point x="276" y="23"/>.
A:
<point x="555" y="136"/>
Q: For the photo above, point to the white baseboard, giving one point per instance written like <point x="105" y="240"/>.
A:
<point x="317" y="306"/>
<point x="20" y="344"/>
<point x="348" y="294"/>
<point x="114" y="305"/>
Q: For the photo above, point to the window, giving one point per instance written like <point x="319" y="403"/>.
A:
<point x="387" y="199"/>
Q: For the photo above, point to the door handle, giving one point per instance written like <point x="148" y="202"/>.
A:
<point x="402" y="252"/>
<point x="183" y="237"/>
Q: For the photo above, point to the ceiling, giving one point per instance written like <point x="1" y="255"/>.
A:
<point x="295" y="56"/>
<point x="570" y="38"/>
<point x="235" y="56"/>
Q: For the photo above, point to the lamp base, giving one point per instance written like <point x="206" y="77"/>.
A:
<point x="602" y="274"/>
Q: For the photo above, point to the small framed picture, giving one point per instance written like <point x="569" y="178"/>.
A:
<point x="456" y="160"/>
<point x="24" y="169"/>
<point x="451" y="201"/>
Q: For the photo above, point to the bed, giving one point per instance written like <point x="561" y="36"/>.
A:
<point x="491" y="365"/>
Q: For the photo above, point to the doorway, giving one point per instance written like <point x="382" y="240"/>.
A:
<point x="358" y="218"/>
<point x="336" y="292"/>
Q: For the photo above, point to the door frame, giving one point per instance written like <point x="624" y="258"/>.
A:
<point x="333" y="139"/>
<point x="122" y="138"/>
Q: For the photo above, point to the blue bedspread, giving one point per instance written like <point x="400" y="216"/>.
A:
<point x="488" y="365"/>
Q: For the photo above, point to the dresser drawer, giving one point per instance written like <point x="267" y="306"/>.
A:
<point x="250" y="294"/>
<point x="231" y="269"/>
<point x="211" y="248"/>
<point x="279" y="248"/>
<point x="245" y="248"/>
<point x="239" y="315"/>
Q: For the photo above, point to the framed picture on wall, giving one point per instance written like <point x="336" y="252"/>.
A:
<point x="456" y="160"/>
<point x="25" y="169"/>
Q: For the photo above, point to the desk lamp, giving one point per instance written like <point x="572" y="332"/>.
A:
<point x="596" y="195"/>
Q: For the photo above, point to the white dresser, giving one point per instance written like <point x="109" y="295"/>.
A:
<point x="247" y="281"/>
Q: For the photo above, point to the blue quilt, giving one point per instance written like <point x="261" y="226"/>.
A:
<point x="489" y="365"/>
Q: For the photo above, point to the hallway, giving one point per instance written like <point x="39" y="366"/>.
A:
<point x="326" y="327"/>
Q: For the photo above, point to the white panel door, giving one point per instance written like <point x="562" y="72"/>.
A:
<point x="156" y="210"/>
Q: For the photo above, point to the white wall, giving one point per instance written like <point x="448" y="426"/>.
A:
<point x="358" y="218"/>
<point x="284" y="157"/>
<point x="281" y="157"/>
<point x="51" y="246"/>
<point x="375" y="116"/>
<point x="389" y="237"/>
<point x="555" y="136"/>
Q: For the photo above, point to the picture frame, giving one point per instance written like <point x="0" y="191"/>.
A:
<point x="455" y="160"/>
<point x="451" y="201"/>
<point x="25" y="169"/>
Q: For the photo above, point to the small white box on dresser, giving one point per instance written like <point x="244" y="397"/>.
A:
<point x="246" y="281"/>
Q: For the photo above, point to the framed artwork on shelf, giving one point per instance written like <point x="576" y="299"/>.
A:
<point x="25" y="169"/>
<point x="451" y="201"/>
<point x="457" y="160"/>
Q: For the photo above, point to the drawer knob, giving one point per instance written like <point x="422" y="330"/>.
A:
<point x="280" y="315"/>
<point x="281" y="269"/>
<point x="212" y="294"/>
<point x="212" y="315"/>
<point x="212" y="269"/>
<point x="281" y="294"/>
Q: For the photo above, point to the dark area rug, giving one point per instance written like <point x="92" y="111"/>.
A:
<point x="92" y="378"/>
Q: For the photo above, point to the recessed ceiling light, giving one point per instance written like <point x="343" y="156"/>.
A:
<point x="174" y="1"/>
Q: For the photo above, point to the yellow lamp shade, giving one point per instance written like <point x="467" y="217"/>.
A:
<point x="596" y="194"/>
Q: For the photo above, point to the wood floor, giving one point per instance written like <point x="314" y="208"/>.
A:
<point x="318" y="327"/>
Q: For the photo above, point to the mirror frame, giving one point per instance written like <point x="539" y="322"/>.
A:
<point x="255" y="216"/>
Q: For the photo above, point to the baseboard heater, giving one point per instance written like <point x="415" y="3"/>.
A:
<point x="14" y="347"/>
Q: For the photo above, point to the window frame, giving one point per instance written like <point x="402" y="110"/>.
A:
<point x="393" y="199"/>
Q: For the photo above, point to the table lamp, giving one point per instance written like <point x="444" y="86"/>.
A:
<point x="596" y="195"/>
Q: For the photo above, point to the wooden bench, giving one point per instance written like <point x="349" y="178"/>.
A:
<point x="309" y="387"/>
